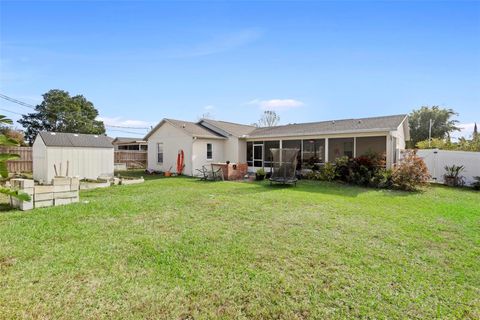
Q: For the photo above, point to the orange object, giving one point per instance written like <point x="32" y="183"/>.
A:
<point x="180" y="162"/>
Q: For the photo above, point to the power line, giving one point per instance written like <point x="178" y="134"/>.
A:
<point x="138" y="128"/>
<point x="11" y="111"/>
<point x="28" y="105"/>
<point x="130" y="132"/>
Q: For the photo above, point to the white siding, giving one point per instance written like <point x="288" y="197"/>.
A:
<point x="199" y="158"/>
<point x="173" y="139"/>
<point x="39" y="157"/>
<point x="89" y="163"/>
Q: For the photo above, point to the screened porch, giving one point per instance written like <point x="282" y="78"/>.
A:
<point x="314" y="152"/>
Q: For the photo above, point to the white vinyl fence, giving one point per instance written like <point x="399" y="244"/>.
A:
<point x="436" y="160"/>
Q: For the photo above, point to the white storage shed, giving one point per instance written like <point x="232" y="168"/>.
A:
<point x="70" y="154"/>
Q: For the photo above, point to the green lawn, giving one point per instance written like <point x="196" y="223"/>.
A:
<point x="178" y="248"/>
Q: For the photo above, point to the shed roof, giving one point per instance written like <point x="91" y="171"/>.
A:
<point x="121" y="140"/>
<point x="61" y="139"/>
<point x="385" y="123"/>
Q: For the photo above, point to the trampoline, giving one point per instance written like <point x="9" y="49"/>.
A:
<point x="284" y="166"/>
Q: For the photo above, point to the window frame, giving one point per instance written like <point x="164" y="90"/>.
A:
<point x="160" y="153"/>
<point x="211" y="152"/>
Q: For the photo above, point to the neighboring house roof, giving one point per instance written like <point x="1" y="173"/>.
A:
<point x="234" y="129"/>
<point x="60" y="139"/>
<point x="386" y="123"/>
<point x="123" y="140"/>
<point x="191" y="128"/>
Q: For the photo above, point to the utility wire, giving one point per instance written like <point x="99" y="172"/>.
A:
<point x="11" y="111"/>
<point x="33" y="107"/>
<point x="130" y="132"/>
<point x="28" y="105"/>
<point x="138" y="128"/>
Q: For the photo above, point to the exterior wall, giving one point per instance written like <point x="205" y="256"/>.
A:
<point x="199" y="148"/>
<point x="87" y="163"/>
<point x="232" y="149"/>
<point x="173" y="139"/>
<point x="39" y="158"/>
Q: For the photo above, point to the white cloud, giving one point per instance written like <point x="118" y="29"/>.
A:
<point x="209" y="107"/>
<point x="118" y="121"/>
<point x="277" y="104"/>
<point x="466" y="130"/>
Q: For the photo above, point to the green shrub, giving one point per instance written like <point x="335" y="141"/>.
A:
<point x="411" y="173"/>
<point x="476" y="184"/>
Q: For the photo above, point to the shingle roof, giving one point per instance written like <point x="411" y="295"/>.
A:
<point x="191" y="128"/>
<point x="234" y="129"/>
<point x="60" y="139"/>
<point x="120" y="140"/>
<point x="385" y="123"/>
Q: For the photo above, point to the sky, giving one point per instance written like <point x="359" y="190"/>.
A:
<point x="142" y="61"/>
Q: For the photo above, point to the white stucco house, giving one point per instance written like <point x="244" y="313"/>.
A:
<point x="211" y="141"/>
<point x="71" y="154"/>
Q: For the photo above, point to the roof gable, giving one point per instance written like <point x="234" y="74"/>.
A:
<point x="234" y="129"/>
<point x="76" y="140"/>
<point x="191" y="128"/>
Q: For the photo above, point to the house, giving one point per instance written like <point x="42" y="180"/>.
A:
<point x="70" y="154"/>
<point x="210" y="141"/>
<point x="124" y="143"/>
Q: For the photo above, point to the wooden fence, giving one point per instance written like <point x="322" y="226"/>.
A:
<point x="24" y="164"/>
<point x="133" y="159"/>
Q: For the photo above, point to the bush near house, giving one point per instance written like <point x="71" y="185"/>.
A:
<point x="410" y="173"/>
<point x="369" y="170"/>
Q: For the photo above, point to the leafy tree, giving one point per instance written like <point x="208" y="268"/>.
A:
<point x="4" y="157"/>
<point x="475" y="132"/>
<point x="269" y="119"/>
<point x="59" y="112"/>
<point x="442" y="123"/>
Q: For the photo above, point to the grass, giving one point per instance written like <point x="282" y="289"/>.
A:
<point x="177" y="248"/>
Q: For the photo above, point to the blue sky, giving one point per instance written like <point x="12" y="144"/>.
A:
<point x="141" y="61"/>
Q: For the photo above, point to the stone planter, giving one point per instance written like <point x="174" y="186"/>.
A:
<point x="86" y="185"/>
<point x="124" y="181"/>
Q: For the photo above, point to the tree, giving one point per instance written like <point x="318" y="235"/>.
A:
<point x="59" y="112"/>
<point x="4" y="157"/>
<point x="269" y="119"/>
<point x="475" y="132"/>
<point x="442" y="123"/>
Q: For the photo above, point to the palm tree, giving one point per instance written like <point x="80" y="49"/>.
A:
<point x="4" y="157"/>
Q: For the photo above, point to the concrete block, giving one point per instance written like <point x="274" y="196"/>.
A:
<point x="22" y="183"/>
<point x="130" y="181"/>
<point x="29" y="191"/>
<point x="26" y="205"/>
<point x="41" y="204"/>
<point x="60" y="181"/>
<point x="43" y="196"/>
<point x="43" y="189"/>
<point x="76" y="199"/>
<point x="74" y="184"/>
<point x="65" y="194"/>
<point x="61" y="202"/>
<point x="61" y="188"/>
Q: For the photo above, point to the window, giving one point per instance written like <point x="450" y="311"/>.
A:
<point x="209" y="151"/>
<point x="268" y="154"/>
<point x="160" y="152"/>
<point x="340" y="147"/>
<point x="250" y="153"/>
<point x="313" y="152"/>
<point x="294" y="144"/>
